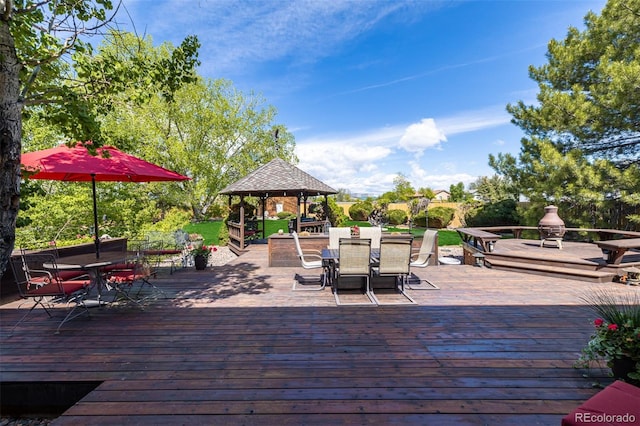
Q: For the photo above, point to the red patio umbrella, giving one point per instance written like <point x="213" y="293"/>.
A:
<point x="78" y="165"/>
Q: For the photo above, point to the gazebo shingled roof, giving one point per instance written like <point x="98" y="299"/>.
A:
<point x="278" y="178"/>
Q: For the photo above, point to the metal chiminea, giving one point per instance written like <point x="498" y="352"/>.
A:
<point x="551" y="226"/>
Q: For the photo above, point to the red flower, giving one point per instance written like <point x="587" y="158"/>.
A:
<point x="613" y="327"/>
<point x="598" y="322"/>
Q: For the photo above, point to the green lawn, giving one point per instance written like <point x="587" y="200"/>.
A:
<point x="209" y="230"/>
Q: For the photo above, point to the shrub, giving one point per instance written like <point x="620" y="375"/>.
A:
<point x="336" y="214"/>
<point x="360" y="210"/>
<point x="223" y="235"/>
<point x="397" y="216"/>
<point x="420" y="220"/>
<point x="440" y="217"/>
<point x="286" y="215"/>
<point x="218" y="211"/>
<point x="494" y="214"/>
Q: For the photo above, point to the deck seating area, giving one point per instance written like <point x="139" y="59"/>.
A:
<point x="236" y="345"/>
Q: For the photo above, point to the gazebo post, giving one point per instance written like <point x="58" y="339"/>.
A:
<point x="326" y="207"/>
<point x="264" y="211"/>
<point x="298" y="213"/>
<point x="304" y="200"/>
<point x="242" y="222"/>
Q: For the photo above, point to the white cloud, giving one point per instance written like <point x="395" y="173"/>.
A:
<point x="368" y="161"/>
<point x="259" y="32"/>
<point x="343" y="163"/>
<point x="419" y="178"/>
<point x="471" y="121"/>
<point x="420" y="136"/>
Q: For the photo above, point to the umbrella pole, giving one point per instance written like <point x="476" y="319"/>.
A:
<point x="95" y="216"/>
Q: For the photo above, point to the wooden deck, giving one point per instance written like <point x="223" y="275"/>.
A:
<point x="235" y="345"/>
<point x="575" y="260"/>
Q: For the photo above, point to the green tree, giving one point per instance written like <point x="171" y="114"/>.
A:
<point x="35" y="37"/>
<point x="581" y="148"/>
<point x="588" y="193"/>
<point x="588" y="91"/>
<point x="491" y="189"/>
<point x="211" y="132"/>
<point x="47" y="68"/>
<point x="126" y="207"/>
<point x="427" y="193"/>
<point x="457" y="192"/>
<point x="402" y="188"/>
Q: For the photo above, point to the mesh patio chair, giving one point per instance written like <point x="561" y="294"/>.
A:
<point x="138" y="269"/>
<point x="182" y="240"/>
<point x="395" y="256"/>
<point x="124" y="276"/>
<point x="423" y="259"/>
<point x="310" y="259"/>
<point x="50" y="247"/>
<point x="335" y="234"/>
<point x="45" y="287"/>
<point x="354" y="262"/>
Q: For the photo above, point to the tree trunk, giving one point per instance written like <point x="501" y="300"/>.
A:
<point x="10" y="141"/>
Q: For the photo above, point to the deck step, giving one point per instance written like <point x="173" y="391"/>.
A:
<point x="559" y="261"/>
<point x="552" y="271"/>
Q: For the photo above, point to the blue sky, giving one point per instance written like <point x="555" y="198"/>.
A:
<point x="371" y="89"/>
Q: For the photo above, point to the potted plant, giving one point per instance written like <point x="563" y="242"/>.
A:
<point x="616" y="336"/>
<point x="196" y="240"/>
<point x="201" y="256"/>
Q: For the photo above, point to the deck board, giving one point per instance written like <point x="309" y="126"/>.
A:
<point x="235" y="345"/>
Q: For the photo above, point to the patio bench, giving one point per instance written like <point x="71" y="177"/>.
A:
<point x="478" y="238"/>
<point x="617" y="248"/>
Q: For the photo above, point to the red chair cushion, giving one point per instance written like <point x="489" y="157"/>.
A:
<point x="171" y="251"/>
<point x="69" y="275"/>
<point x="162" y="252"/>
<point x="617" y="404"/>
<point x="53" y="289"/>
<point x="126" y="276"/>
<point x="119" y="266"/>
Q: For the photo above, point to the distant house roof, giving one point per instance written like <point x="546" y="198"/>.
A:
<point x="278" y="178"/>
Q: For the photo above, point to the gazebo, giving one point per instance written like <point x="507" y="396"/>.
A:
<point x="277" y="178"/>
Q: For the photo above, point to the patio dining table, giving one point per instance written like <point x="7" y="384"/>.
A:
<point x="88" y="262"/>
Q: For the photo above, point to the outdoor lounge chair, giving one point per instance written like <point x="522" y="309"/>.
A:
<point x="354" y="262"/>
<point x="45" y="287"/>
<point x="310" y="259"/>
<point x="395" y="256"/>
<point x="422" y="259"/>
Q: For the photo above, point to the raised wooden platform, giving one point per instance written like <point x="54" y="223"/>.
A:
<point x="235" y="345"/>
<point x="576" y="260"/>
